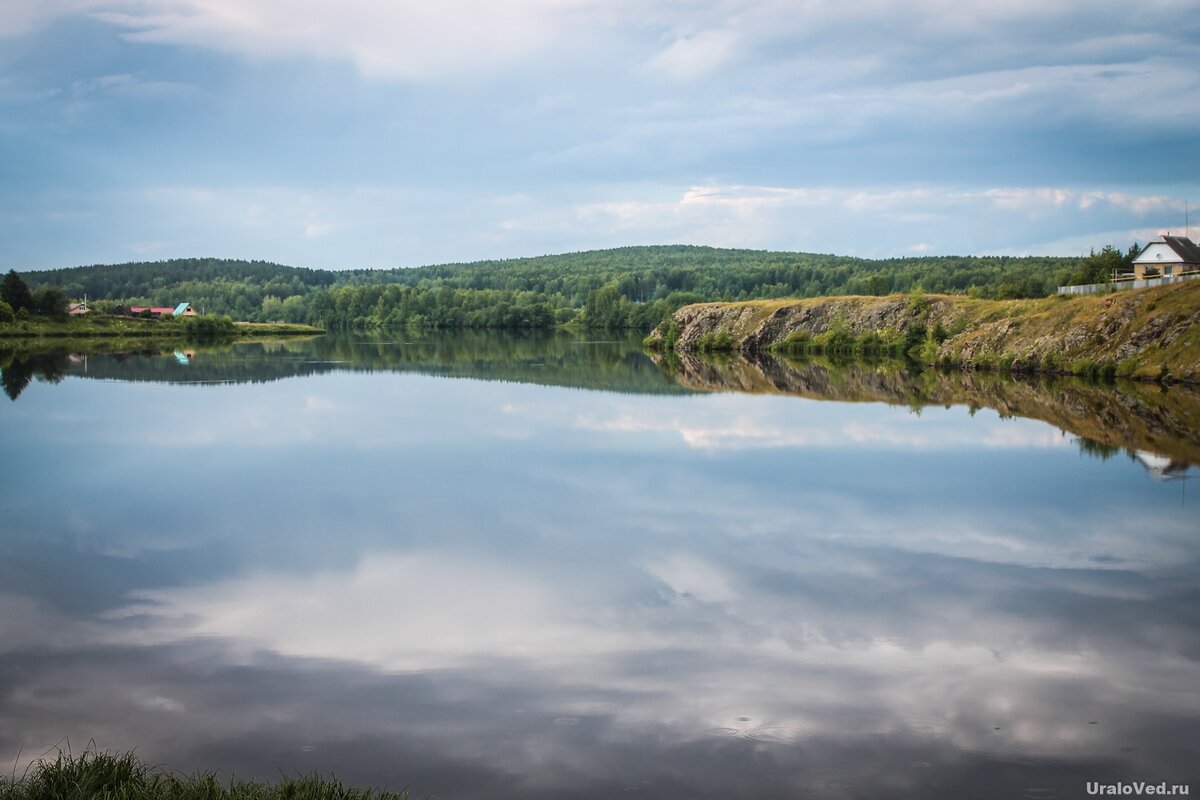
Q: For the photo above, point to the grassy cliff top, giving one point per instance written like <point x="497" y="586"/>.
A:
<point x="1146" y="333"/>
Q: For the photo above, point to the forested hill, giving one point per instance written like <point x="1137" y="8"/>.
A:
<point x="142" y="279"/>
<point x="630" y="287"/>
<point x="647" y="273"/>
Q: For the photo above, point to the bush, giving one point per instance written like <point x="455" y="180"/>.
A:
<point x="209" y="328"/>
<point x="870" y="343"/>
<point x="671" y="333"/>
<point x="6" y="313"/>
<point x="716" y="341"/>
<point x="794" y="342"/>
<point x="929" y="350"/>
<point x="914" y="337"/>
<point x="835" y="340"/>
<point x="917" y="301"/>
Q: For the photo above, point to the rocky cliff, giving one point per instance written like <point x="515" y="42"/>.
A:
<point x="1150" y="334"/>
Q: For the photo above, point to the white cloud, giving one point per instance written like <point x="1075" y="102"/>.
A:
<point x="19" y="17"/>
<point x="383" y="38"/>
<point x="394" y="611"/>
<point x="413" y="39"/>
<point x="1043" y="200"/>
<point x="690" y="575"/>
<point x="854" y="221"/>
<point x="692" y="57"/>
<point x="384" y="226"/>
<point x="714" y="425"/>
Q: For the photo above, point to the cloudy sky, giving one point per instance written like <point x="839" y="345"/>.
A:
<point x="379" y="133"/>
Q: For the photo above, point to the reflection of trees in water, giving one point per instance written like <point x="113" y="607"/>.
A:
<point x="1100" y="450"/>
<point x="547" y="359"/>
<point x="1162" y="467"/>
<point x="1108" y="418"/>
<point x="18" y="370"/>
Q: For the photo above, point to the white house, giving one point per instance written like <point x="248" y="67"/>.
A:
<point x="1167" y="256"/>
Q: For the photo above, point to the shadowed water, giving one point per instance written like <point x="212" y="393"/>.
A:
<point x="545" y="567"/>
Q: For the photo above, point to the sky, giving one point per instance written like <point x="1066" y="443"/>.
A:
<point x="393" y="133"/>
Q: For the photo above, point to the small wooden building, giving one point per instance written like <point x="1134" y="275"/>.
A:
<point x="185" y="310"/>
<point x="78" y="309"/>
<point x="1166" y="257"/>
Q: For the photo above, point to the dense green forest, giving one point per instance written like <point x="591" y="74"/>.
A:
<point x="623" y="288"/>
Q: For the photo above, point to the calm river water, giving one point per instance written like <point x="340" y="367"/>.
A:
<point x="499" y="568"/>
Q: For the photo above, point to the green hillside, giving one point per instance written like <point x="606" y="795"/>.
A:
<point x="621" y="288"/>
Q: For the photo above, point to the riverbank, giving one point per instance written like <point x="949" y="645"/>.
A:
<point x="1147" y="334"/>
<point x="97" y="326"/>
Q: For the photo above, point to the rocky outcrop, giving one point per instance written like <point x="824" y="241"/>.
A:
<point x="1149" y="334"/>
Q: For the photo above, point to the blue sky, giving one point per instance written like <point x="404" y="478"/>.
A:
<point x="381" y="133"/>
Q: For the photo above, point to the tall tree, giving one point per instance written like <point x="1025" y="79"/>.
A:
<point x="15" y="292"/>
<point x="50" y="301"/>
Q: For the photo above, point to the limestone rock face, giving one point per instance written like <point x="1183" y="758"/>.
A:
<point x="1149" y="333"/>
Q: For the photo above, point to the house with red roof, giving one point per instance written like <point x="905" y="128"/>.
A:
<point x="181" y="310"/>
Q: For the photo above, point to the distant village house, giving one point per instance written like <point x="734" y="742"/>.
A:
<point x="78" y="309"/>
<point x="1167" y="257"/>
<point x="181" y="310"/>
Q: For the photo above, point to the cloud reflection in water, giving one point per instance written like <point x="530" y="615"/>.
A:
<point x="526" y="591"/>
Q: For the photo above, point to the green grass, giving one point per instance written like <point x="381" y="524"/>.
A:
<point x="716" y="342"/>
<point x="102" y="776"/>
<point x="276" y="329"/>
<point x="102" y="326"/>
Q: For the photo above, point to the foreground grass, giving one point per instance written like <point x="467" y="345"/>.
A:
<point x="102" y="776"/>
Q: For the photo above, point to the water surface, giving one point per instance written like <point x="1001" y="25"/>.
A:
<point x="546" y="567"/>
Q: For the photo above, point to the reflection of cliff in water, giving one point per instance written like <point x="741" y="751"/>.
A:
<point x="549" y="360"/>
<point x="1159" y="426"/>
<point x="1162" y="423"/>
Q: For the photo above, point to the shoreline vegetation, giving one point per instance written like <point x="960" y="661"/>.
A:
<point x="103" y="775"/>
<point x="968" y="313"/>
<point x="1141" y="334"/>
<point x="204" y="328"/>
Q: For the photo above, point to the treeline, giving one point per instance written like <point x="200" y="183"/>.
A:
<point x="1103" y="266"/>
<point x="624" y="288"/>
<point x="18" y="302"/>
<point x="149" y="279"/>
<point x="645" y="274"/>
<point x="451" y="308"/>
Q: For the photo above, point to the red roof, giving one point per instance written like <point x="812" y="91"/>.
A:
<point x="155" y="310"/>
